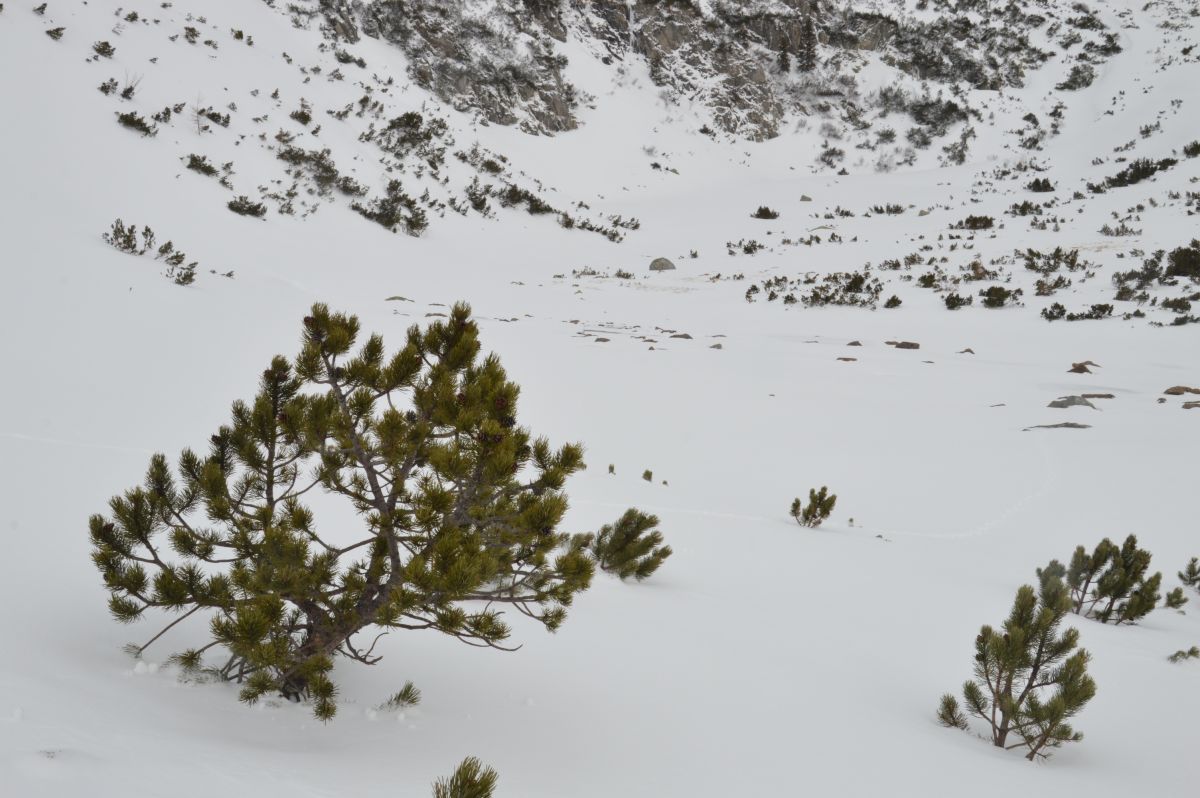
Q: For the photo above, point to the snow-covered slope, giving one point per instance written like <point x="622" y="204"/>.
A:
<point x="763" y="659"/>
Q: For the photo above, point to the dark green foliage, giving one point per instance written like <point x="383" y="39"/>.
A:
<point x="1014" y="668"/>
<point x="648" y="475"/>
<point x="394" y="210"/>
<point x="125" y="238"/>
<point x="949" y="714"/>
<point x="806" y="49"/>
<point x="893" y="302"/>
<point x="976" y="223"/>
<point x="1190" y="575"/>
<point x="1181" y="655"/>
<point x="136" y="122"/>
<point x="1048" y="263"/>
<point x="820" y="505"/>
<point x="1185" y="262"/>
<point x="199" y="163"/>
<point x="303" y="114"/>
<point x="104" y="49"/>
<point x="1110" y="584"/>
<point x="764" y="212"/>
<point x="1054" y="312"/>
<point x="997" y="296"/>
<point x="1192" y="149"/>
<point x="457" y="507"/>
<point x="1040" y="185"/>
<point x="56" y="33"/>
<point x="512" y="196"/>
<point x="470" y="780"/>
<point x="1175" y="599"/>
<point x="1081" y="77"/>
<point x="1135" y="172"/>
<point x="954" y="301"/>
<point x="630" y="547"/>
<point x="344" y="57"/>
<point x="1025" y="208"/>
<point x="244" y="206"/>
<point x="407" y="696"/>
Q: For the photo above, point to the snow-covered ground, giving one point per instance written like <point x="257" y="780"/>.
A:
<point x="763" y="659"/>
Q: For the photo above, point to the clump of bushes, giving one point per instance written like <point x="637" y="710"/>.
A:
<point x="244" y="206"/>
<point x="954" y="301"/>
<point x="1080" y="77"/>
<point x="1040" y="185"/>
<point x="997" y="296"/>
<point x="764" y="212"/>
<point x="1110" y="584"/>
<point x="471" y="779"/>
<point x="135" y="121"/>
<point x="820" y="505"/>
<point x="395" y="209"/>
<point x="104" y="49"/>
<point x="1192" y="149"/>
<point x="1135" y="172"/>
<point x="201" y="165"/>
<point x="1095" y="312"/>
<point x="974" y="222"/>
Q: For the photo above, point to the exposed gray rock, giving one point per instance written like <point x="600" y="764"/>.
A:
<point x="1071" y="401"/>
<point x="661" y="265"/>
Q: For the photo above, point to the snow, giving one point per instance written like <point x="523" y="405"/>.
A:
<point x="762" y="659"/>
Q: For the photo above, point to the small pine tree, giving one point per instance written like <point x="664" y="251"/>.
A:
<point x="1014" y="665"/>
<point x="806" y="52"/>
<point x="1175" y="599"/>
<point x="820" y="505"/>
<point x="1110" y="584"/>
<point x="629" y="547"/>
<point x="470" y="780"/>
<point x="1190" y="575"/>
<point x="458" y="506"/>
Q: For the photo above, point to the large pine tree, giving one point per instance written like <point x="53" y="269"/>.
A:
<point x="457" y="513"/>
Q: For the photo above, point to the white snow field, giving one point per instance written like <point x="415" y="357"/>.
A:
<point x="763" y="659"/>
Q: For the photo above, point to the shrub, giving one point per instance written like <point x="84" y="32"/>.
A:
<point x="630" y="547"/>
<point x="104" y="49"/>
<point x="470" y="780"/>
<point x="244" y="206"/>
<point x="56" y="33"/>
<point x="820" y="505"/>
<point x="136" y="122"/>
<point x="1190" y="575"/>
<point x="200" y="164"/>
<point x="954" y="301"/>
<point x="1080" y="77"/>
<point x="458" y="507"/>
<point x="1014" y="668"/>
<point x="976" y="223"/>
<point x="764" y="212"/>
<point x="997" y="296"/>
<point x="893" y="302"/>
<point x="1185" y="261"/>
<point x="1054" y="312"/>
<point x="1181" y="655"/>
<point x="1190" y="150"/>
<point x="1137" y="171"/>
<point x="648" y="475"/>
<point x="1040" y="185"/>
<point x="1110" y="584"/>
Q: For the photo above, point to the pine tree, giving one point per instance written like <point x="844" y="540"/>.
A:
<point x="1190" y="575"/>
<point x="629" y="547"/>
<point x="457" y="505"/>
<point x="820" y="505"/>
<point x="471" y="779"/>
<point x="1110" y="584"/>
<point x="806" y="51"/>
<point x="1016" y="664"/>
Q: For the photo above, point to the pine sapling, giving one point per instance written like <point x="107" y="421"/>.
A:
<point x="1190" y="575"/>
<point x="820" y="505"/>
<point x="1017" y="665"/>
<point x="470" y="780"/>
<point x="630" y="547"/>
